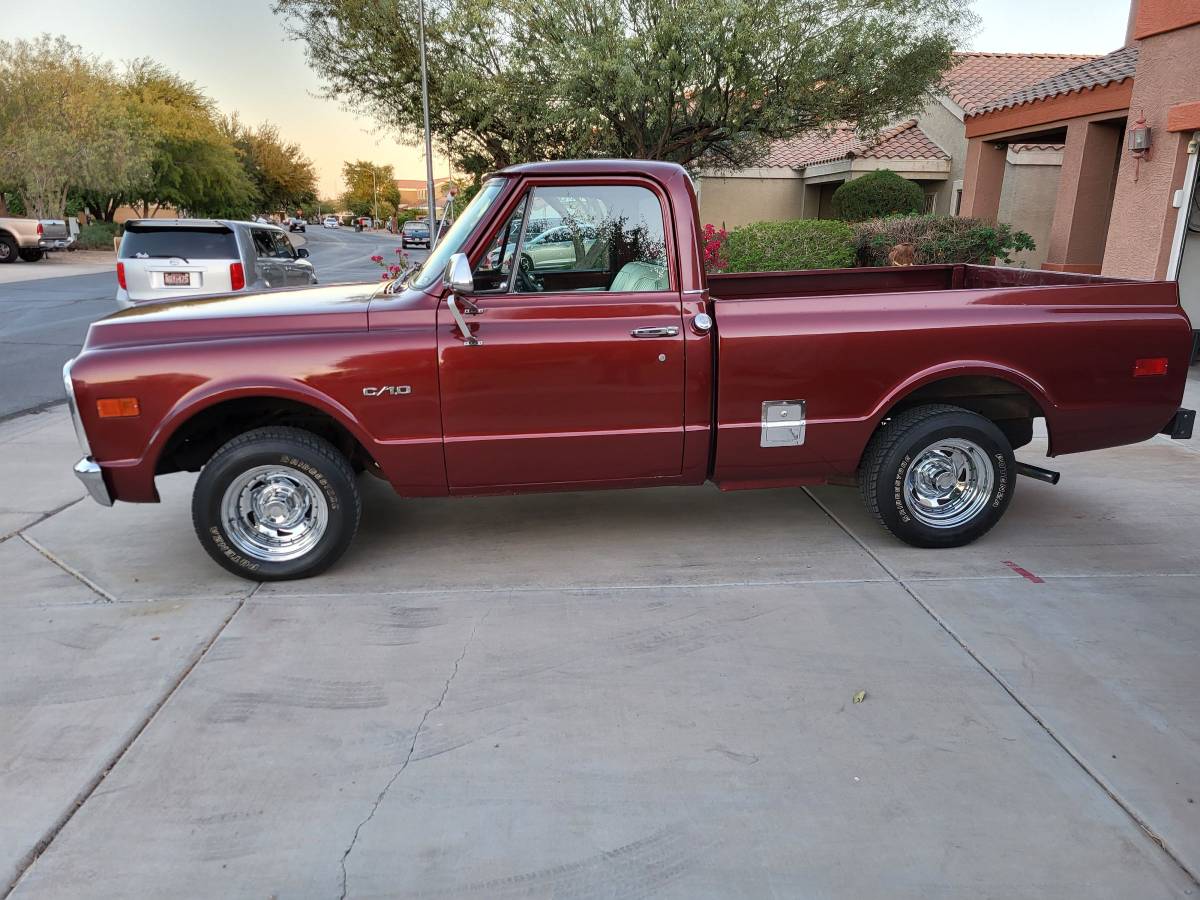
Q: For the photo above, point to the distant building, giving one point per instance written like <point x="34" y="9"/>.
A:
<point x="797" y="178"/>
<point x="414" y="193"/>
<point x="1127" y="202"/>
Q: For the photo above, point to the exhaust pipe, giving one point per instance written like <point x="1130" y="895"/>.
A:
<point x="1038" y="473"/>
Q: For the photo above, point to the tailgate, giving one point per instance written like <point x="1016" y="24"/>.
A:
<point x="54" y="228"/>
<point x="160" y="279"/>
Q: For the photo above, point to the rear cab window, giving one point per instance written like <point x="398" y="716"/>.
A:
<point x="185" y="242"/>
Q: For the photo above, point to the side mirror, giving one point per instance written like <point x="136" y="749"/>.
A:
<point x="458" y="275"/>
<point x="459" y="279"/>
<point x="302" y="253"/>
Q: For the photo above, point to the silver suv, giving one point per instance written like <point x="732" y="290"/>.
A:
<point x="171" y="258"/>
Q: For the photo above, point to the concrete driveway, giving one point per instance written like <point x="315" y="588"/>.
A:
<point x="625" y="694"/>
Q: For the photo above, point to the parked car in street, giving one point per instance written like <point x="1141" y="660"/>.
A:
<point x="31" y="239"/>
<point x="484" y="373"/>
<point x="331" y="222"/>
<point x="169" y="258"/>
<point x="414" y="233"/>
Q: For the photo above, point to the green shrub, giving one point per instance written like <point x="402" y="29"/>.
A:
<point x="97" y="236"/>
<point x="877" y="194"/>
<point x="784" y="246"/>
<point x="939" y="239"/>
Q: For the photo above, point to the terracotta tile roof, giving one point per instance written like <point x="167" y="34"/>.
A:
<point x="902" y="141"/>
<point x="1116" y="66"/>
<point x="976" y="79"/>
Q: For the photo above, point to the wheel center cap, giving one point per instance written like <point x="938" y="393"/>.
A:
<point x="945" y="481"/>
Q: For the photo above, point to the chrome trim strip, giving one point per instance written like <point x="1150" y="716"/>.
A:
<point x="73" y="406"/>
<point x="89" y="472"/>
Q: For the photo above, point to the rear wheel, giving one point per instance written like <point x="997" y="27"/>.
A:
<point x="275" y="504"/>
<point x="938" y="476"/>
<point x="32" y="255"/>
<point x="8" y="249"/>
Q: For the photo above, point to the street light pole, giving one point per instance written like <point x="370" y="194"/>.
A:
<point x="375" y="194"/>
<point x="429" y="198"/>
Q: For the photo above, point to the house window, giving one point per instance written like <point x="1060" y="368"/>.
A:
<point x="930" y="200"/>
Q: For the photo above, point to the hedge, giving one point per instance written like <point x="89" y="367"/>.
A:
<point x="784" y="246"/>
<point x="97" y="236"/>
<point x="877" y="194"/>
<point x="939" y="239"/>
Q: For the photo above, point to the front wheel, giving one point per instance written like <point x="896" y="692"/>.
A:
<point x="938" y="476"/>
<point x="275" y="504"/>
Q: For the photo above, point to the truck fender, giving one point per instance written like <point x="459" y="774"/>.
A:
<point x="211" y="393"/>
<point x="958" y="368"/>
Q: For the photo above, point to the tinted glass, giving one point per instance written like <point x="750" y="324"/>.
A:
<point x="264" y="245"/>
<point x="188" y="243"/>
<point x="283" y="246"/>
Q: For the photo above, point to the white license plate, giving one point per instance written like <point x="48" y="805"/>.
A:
<point x="177" y="279"/>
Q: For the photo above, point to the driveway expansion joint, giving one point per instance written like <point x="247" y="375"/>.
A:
<point x="70" y="570"/>
<point x="94" y="784"/>
<point x="409" y="755"/>
<point x="1076" y="757"/>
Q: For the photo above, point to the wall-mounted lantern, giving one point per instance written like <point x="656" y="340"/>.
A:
<point x="1139" y="143"/>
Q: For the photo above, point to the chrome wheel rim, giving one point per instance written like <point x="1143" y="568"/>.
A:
<point x="948" y="483"/>
<point x="274" y="514"/>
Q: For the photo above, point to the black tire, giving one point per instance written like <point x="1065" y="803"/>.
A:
<point x="946" y="439"/>
<point x="299" y="454"/>
<point x="8" y="249"/>
<point x="31" y="255"/>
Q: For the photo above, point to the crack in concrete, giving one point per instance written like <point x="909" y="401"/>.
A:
<point x="409" y="755"/>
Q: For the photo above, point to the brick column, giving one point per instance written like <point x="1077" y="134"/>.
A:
<point x="1084" y="200"/>
<point x="983" y="179"/>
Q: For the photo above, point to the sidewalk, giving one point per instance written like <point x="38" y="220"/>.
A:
<point x="59" y="264"/>
<point x="611" y="694"/>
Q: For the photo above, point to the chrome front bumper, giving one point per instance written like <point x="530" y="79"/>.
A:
<point x="88" y="471"/>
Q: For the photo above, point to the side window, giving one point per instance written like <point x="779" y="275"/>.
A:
<point x="593" y="238"/>
<point x="494" y="267"/>
<point x="263" y="245"/>
<point x="283" y="246"/>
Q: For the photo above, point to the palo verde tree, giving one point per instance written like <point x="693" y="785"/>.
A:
<point x="699" y="82"/>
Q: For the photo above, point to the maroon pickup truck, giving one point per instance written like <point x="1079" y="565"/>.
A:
<point x="564" y="336"/>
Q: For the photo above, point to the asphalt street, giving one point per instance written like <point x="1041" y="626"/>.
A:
<point x="44" y="320"/>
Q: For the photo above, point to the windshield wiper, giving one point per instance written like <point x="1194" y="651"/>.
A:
<point x="161" y="256"/>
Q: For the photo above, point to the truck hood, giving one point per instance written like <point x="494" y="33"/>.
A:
<point x="319" y="308"/>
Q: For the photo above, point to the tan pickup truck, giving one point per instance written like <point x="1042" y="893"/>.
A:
<point x="30" y="239"/>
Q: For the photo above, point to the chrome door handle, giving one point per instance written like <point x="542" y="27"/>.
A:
<point x="653" y="332"/>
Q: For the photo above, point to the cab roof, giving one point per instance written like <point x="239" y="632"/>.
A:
<point x="660" y="171"/>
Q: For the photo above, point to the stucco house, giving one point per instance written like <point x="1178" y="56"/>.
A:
<point x="1126" y="203"/>
<point x="798" y="176"/>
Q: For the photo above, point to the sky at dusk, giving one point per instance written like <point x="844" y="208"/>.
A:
<point x="236" y="50"/>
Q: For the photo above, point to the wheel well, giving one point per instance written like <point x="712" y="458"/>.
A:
<point x="1012" y="408"/>
<point x="197" y="439"/>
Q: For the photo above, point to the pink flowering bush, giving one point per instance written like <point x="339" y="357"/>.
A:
<point x="392" y="270"/>
<point x="713" y="240"/>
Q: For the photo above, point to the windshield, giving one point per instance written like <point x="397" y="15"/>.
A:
<point x="452" y="242"/>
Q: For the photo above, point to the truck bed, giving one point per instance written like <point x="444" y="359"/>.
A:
<point x="858" y="344"/>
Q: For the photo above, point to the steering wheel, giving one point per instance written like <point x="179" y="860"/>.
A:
<point x="527" y="281"/>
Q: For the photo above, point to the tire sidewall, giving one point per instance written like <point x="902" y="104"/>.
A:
<point x="894" y="509"/>
<point x="225" y="467"/>
<point x="8" y="250"/>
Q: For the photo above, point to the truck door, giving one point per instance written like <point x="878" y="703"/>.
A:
<point x="578" y="372"/>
